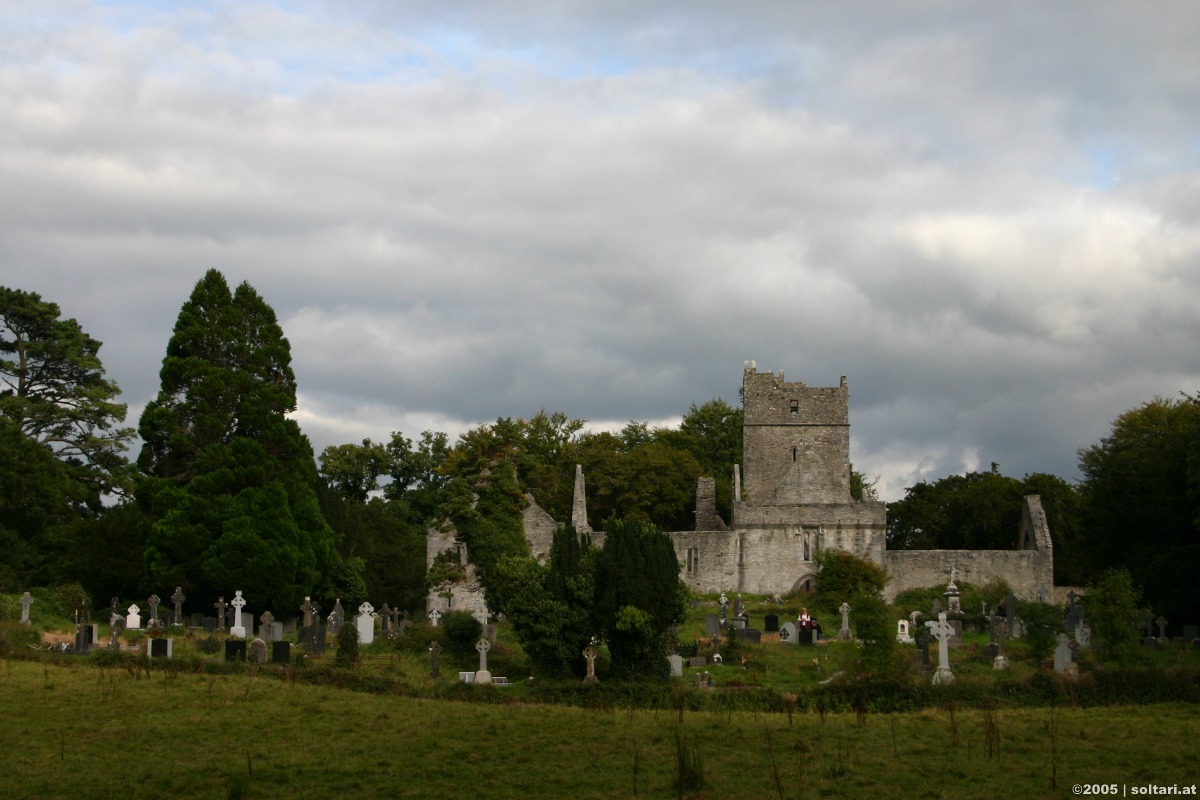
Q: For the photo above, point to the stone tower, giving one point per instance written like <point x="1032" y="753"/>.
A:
<point x="796" y="441"/>
<point x="795" y="485"/>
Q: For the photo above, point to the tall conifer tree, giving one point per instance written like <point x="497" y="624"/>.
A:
<point x="229" y="478"/>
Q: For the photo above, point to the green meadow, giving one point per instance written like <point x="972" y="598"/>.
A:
<point x="74" y="729"/>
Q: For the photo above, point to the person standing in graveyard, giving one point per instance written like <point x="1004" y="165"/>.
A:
<point x="805" y="621"/>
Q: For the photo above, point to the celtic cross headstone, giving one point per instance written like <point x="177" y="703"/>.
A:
<point x="483" y="676"/>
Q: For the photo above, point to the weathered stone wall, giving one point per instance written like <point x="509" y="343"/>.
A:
<point x="539" y="528"/>
<point x="1026" y="571"/>
<point x="464" y="596"/>
<point x="706" y="506"/>
<point x="796" y="441"/>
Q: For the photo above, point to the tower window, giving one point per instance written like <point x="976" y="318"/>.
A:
<point x="795" y="408"/>
<point x="693" y="559"/>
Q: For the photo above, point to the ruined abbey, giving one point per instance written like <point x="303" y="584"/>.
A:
<point x="791" y="501"/>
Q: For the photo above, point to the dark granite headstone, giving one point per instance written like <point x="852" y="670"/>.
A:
<point x="697" y="661"/>
<point x="1010" y="609"/>
<point x="749" y="635"/>
<point x="923" y="640"/>
<point x="771" y="625"/>
<point x="159" y="648"/>
<point x="806" y="635"/>
<point x="1190" y="633"/>
<point x="712" y="624"/>
<point x="281" y="652"/>
<point x="209" y="624"/>
<point x="991" y="651"/>
<point x="235" y="650"/>
<point x="313" y="639"/>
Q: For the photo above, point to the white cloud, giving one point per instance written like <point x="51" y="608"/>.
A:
<point x="986" y="216"/>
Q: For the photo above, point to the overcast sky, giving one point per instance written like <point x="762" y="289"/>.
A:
<point x="986" y="215"/>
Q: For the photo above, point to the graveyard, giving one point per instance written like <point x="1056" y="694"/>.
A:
<point x="755" y="713"/>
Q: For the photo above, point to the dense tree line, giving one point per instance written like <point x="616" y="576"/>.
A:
<point x="226" y="493"/>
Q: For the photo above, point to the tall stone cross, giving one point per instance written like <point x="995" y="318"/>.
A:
<point x="483" y="676"/>
<point x="220" y="606"/>
<point x="178" y="599"/>
<point x="1072" y="597"/>
<point x="26" y="602"/>
<point x="1161" y="622"/>
<point x="154" y="603"/>
<point x="434" y="616"/>
<point x="844" y="633"/>
<point x="238" y="602"/>
<point x="112" y="607"/>
<point x="308" y="609"/>
<point x="590" y="654"/>
<point x="1000" y="630"/>
<point x="942" y="631"/>
<point x="435" y="650"/>
<point x="385" y="614"/>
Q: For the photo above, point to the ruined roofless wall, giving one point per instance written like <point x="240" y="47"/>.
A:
<point x="796" y="441"/>
<point x="1028" y="571"/>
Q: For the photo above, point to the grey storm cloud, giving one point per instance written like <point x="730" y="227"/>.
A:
<point x="985" y="215"/>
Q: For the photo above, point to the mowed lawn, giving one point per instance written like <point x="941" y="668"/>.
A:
<point x="81" y="731"/>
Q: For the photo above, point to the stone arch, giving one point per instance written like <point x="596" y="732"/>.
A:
<point x="806" y="583"/>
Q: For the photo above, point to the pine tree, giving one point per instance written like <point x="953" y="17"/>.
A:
<point x="638" y="596"/>
<point x="230" y="480"/>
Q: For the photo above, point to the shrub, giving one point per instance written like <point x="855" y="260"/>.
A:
<point x="462" y="632"/>
<point x="843" y="575"/>
<point x="1112" y="610"/>
<point x="1042" y="624"/>
<point x="347" y="646"/>
<point x="874" y="626"/>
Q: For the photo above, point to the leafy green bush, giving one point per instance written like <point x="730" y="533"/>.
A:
<point x="462" y="632"/>
<point x="874" y="627"/>
<point x="911" y="600"/>
<point x="843" y="575"/>
<point x="418" y="636"/>
<point x="1113" y="607"/>
<point x="347" y="646"/>
<point x="1042" y="625"/>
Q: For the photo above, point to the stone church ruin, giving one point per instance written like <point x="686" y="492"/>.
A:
<point x="791" y="501"/>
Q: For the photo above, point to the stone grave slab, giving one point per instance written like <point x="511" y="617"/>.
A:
<point x="676" y="662"/>
<point x="281" y="652"/>
<point x="235" y="650"/>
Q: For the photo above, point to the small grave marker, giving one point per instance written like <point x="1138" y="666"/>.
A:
<point x="26" y="602"/>
<point x="365" y="622"/>
<point x="590" y="654"/>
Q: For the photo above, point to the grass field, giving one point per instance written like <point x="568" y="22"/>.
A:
<point x="76" y="730"/>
